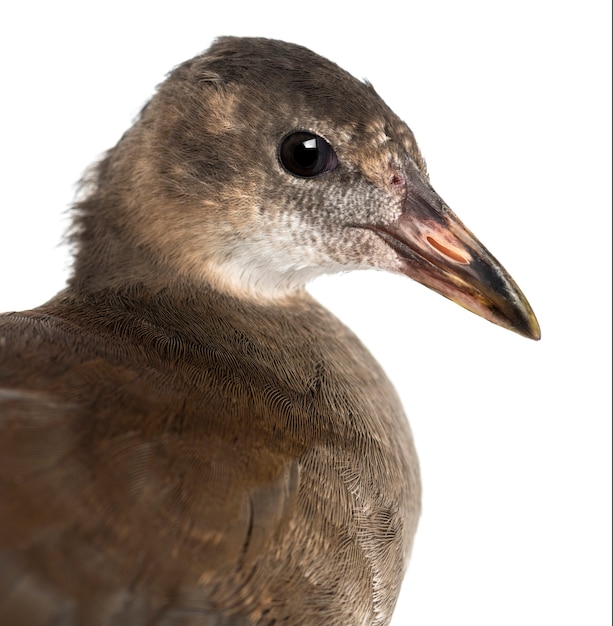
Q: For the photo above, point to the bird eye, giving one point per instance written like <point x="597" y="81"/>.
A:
<point x="307" y="155"/>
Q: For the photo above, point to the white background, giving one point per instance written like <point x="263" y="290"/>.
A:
<point x="511" y="105"/>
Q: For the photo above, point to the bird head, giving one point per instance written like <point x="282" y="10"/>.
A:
<point x="260" y="165"/>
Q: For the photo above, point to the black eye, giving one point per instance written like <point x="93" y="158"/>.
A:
<point x="306" y="155"/>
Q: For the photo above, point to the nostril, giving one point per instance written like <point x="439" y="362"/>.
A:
<point x="448" y="252"/>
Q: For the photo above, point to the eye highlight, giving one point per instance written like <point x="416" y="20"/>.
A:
<point x="306" y="155"/>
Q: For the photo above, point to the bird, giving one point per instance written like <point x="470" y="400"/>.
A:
<point x="187" y="436"/>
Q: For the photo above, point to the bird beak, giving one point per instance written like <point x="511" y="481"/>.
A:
<point x="437" y="250"/>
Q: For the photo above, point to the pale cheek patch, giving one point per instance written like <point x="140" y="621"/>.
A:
<point x="262" y="260"/>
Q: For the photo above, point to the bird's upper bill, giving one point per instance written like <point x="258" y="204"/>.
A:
<point x="437" y="250"/>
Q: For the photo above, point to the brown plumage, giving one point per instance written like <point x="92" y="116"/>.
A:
<point x="186" y="436"/>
